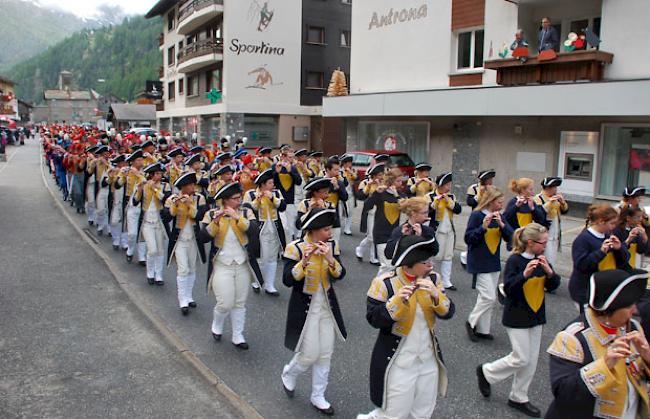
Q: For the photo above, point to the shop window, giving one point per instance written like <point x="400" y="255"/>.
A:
<point x="300" y="134"/>
<point x="625" y="158"/>
<point x="579" y="166"/>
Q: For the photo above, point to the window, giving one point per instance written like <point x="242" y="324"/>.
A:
<point x="180" y="86"/>
<point x="171" y="19"/>
<point x="171" y="52"/>
<point x="171" y="90"/>
<point x="470" y="50"/>
<point x="624" y="157"/>
<point x="213" y="79"/>
<point x="315" y="80"/>
<point x="315" y="35"/>
<point x="180" y="46"/>
<point x="300" y="134"/>
<point x="192" y="85"/>
<point x="346" y="1"/>
<point x="345" y="38"/>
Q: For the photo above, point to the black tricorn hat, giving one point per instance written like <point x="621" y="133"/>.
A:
<point x="185" y="179"/>
<point x="319" y="218"/>
<point x="264" y="176"/>
<point x="318" y="183"/>
<point x="228" y="190"/>
<point x="615" y="288"/>
<point x="412" y="249"/>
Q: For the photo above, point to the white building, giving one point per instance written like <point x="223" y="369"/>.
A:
<point x="419" y="75"/>
<point x="235" y="67"/>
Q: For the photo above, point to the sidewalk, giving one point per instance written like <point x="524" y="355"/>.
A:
<point x="72" y="344"/>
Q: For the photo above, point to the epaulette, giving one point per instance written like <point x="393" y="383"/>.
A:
<point x="378" y="290"/>
<point x="567" y="346"/>
<point x="293" y="251"/>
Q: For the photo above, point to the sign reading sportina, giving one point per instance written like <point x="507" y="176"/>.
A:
<point x="397" y="16"/>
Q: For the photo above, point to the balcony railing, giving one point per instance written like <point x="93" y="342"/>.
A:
<point x="204" y="47"/>
<point x="161" y="39"/>
<point x="568" y="66"/>
<point x="187" y="9"/>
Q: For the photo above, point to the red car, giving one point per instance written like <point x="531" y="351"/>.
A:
<point x="361" y="162"/>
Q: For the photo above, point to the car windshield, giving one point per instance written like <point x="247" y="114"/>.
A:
<point x="361" y="159"/>
<point x="401" y="160"/>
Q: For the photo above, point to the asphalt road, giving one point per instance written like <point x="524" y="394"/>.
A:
<point x="71" y="343"/>
<point x="255" y="374"/>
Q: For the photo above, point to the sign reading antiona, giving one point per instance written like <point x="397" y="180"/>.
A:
<point x="397" y="16"/>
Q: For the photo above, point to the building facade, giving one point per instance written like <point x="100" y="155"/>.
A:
<point x="429" y="77"/>
<point x="8" y="100"/>
<point x="249" y="68"/>
<point x="67" y="104"/>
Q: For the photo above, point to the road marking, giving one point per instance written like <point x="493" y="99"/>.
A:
<point x="236" y="401"/>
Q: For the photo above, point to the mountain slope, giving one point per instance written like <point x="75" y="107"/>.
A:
<point x="124" y="56"/>
<point x="27" y="29"/>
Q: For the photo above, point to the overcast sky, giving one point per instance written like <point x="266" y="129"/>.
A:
<point x="87" y="8"/>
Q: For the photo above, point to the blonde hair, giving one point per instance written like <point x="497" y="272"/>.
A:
<point x="518" y="185"/>
<point x="489" y="195"/>
<point x="391" y="176"/>
<point x="414" y="204"/>
<point x="532" y="231"/>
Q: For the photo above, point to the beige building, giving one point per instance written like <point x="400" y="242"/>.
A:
<point x="65" y="103"/>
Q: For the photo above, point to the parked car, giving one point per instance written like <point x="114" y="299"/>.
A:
<point x="361" y="161"/>
<point x="144" y="131"/>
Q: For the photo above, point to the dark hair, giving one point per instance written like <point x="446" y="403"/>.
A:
<point x="330" y="164"/>
<point x="627" y="212"/>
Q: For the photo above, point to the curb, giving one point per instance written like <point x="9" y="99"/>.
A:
<point x="241" y="406"/>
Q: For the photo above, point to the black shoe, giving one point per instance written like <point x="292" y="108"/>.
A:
<point x="142" y="263"/>
<point x="375" y="263"/>
<point x="463" y="265"/>
<point x="470" y="332"/>
<point x="483" y="384"/>
<point x="185" y="310"/>
<point x="485" y="336"/>
<point x="150" y="281"/>
<point x="78" y="210"/>
<point x="272" y="293"/>
<point x="328" y="412"/>
<point x="243" y="346"/>
<point x="216" y="337"/>
<point x="192" y="304"/>
<point x="347" y="234"/>
<point x="290" y="393"/>
<point x="90" y="223"/>
<point x="256" y="290"/>
<point x="526" y="408"/>
<point x="452" y="288"/>
<point x="160" y="283"/>
<point x="100" y="232"/>
<point x="129" y="259"/>
<point x="116" y="247"/>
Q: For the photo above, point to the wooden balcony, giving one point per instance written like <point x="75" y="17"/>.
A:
<point x="568" y="66"/>
<point x="161" y="39"/>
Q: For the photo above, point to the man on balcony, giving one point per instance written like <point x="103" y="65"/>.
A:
<point x="548" y="36"/>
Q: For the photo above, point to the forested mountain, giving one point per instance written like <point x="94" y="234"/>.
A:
<point x="27" y="28"/>
<point x="123" y="56"/>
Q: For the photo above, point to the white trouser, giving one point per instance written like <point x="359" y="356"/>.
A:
<point x="90" y="200"/>
<point x="368" y="244"/>
<point x="132" y="218"/>
<point x="101" y="215"/>
<point x="185" y="287"/>
<point x="481" y="315"/>
<point x="288" y="217"/>
<point x="336" y="234"/>
<point x="270" y="248"/>
<point x="445" y="255"/>
<point x="346" y="222"/>
<point x="315" y="351"/>
<point x="185" y="253"/>
<point x="385" y="264"/>
<point x="230" y="284"/>
<point x="521" y="362"/>
<point x="153" y="235"/>
<point x="551" y="251"/>
<point x="410" y="392"/>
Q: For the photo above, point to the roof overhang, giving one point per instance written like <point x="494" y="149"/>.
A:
<point x="160" y="8"/>
<point x="612" y="98"/>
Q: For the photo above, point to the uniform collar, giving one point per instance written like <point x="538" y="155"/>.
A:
<point x="596" y="233"/>
<point x="528" y="256"/>
<point x="601" y="334"/>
